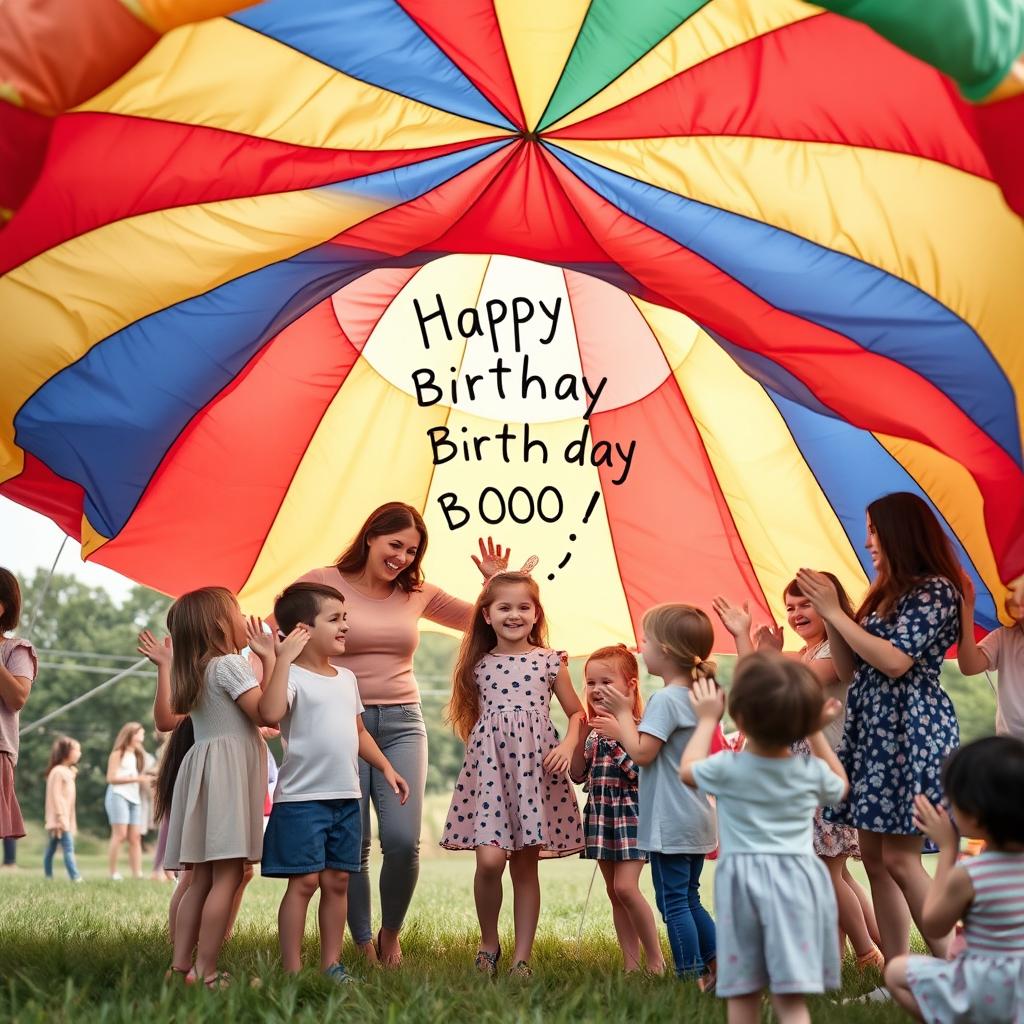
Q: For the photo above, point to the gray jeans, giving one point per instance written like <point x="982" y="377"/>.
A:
<point x="402" y="737"/>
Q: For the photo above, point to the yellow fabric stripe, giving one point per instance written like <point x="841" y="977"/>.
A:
<point x="224" y="75"/>
<point x="585" y="600"/>
<point x="957" y="497"/>
<point x="715" y="28"/>
<point x="781" y="513"/>
<point x="360" y="457"/>
<point x="539" y="36"/>
<point x="62" y="302"/>
<point x="947" y="232"/>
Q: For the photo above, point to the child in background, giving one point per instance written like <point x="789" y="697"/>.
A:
<point x="314" y="836"/>
<point x="18" y="667"/>
<point x="777" y="921"/>
<point x="983" y="782"/>
<point x="1002" y="651"/>
<point x="513" y="801"/>
<point x="677" y="824"/>
<point x="216" y="814"/>
<point x="611" y="815"/>
<point x="59" y="819"/>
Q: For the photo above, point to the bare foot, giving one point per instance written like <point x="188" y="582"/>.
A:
<point x="389" y="948"/>
<point x="369" y="950"/>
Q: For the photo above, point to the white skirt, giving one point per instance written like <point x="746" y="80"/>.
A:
<point x="975" y="988"/>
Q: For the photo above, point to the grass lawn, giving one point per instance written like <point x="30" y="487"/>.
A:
<point x="97" y="952"/>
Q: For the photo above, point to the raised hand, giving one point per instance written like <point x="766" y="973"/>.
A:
<point x="830" y="712"/>
<point x="820" y="591"/>
<point x="493" y="558"/>
<point x="606" y="725"/>
<point x="736" y="620"/>
<point x="291" y="646"/>
<point x="934" y="822"/>
<point x="708" y="699"/>
<point x="158" y="652"/>
<point x="612" y="701"/>
<point x="768" y="638"/>
<point x="260" y="643"/>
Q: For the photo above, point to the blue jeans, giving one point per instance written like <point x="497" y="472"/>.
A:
<point x="691" y="930"/>
<point x="67" y="844"/>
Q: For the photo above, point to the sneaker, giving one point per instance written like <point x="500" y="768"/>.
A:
<point x="338" y="974"/>
<point x="876" y="995"/>
<point x="78" y="879"/>
<point x="117" y="877"/>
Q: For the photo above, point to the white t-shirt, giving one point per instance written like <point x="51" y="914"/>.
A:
<point x="320" y="737"/>
<point x="1004" y="649"/>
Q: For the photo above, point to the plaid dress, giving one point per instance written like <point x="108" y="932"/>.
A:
<point x="610" y="817"/>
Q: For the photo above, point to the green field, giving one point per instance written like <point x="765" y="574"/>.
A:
<point x="97" y="952"/>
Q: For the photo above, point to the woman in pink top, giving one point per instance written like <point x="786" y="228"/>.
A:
<point x="385" y="597"/>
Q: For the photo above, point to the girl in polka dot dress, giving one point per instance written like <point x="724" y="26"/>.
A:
<point x="513" y="802"/>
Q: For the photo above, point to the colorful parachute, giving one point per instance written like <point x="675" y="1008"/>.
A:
<point x="253" y="268"/>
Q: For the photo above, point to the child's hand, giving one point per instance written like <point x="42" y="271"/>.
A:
<point x="736" y="620"/>
<point x="269" y="732"/>
<point x="157" y="652"/>
<point x="934" y="822"/>
<point x="557" y="759"/>
<point x="398" y="785"/>
<point x="261" y="644"/>
<point x="492" y="558"/>
<point x="291" y="646"/>
<point x="768" y="638"/>
<point x="611" y="701"/>
<point x="606" y="725"/>
<point x="708" y="699"/>
<point x="830" y="712"/>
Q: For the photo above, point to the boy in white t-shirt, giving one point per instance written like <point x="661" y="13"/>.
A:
<point x="314" y="835"/>
<point x="1001" y="651"/>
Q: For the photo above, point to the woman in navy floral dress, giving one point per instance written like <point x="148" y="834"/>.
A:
<point x="900" y="723"/>
<point x="611" y="816"/>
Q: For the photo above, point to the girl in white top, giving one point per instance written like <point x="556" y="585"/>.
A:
<point x="123" y="801"/>
<point x="983" y="782"/>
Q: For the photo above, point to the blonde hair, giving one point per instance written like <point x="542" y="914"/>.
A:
<point x="127" y="731"/>
<point x="200" y="628"/>
<point x="625" y="661"/>
<point x="685" y="635"/>
<point x="463" y="709"/>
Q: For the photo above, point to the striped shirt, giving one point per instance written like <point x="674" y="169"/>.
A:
<point x="995" y="918"/>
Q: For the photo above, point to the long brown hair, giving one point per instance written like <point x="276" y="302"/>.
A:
<point x="685" y="635"/>
<point x="393" y="517"/>
<point x="10" y="598"/>
<point x="62" y="746"/>
<point x="127" y="731"/>
<point x="914" y="547"/>
<point x="625" y="661"/>
<point x="178" y="744"/>
<point x="464" y="707"/>
<point x="200" y="628"/>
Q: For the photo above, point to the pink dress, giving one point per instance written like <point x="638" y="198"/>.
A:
<point x="503" y="796"/>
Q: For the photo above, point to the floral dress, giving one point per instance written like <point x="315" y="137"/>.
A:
<point x="899" y="732"/>
<point x="503" y="796"/>
<point x="611" y="815"/>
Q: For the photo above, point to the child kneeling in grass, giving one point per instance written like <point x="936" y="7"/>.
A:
<point x="314" y="834"/>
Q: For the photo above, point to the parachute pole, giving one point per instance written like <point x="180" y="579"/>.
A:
<point x="42" y="594"/>
<point x="586" y="903"/>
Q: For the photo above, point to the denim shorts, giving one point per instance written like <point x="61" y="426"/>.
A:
<point x="121" y="811"/>
<point x="305" y="837"/>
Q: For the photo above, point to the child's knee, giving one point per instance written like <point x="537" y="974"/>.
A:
<point x="626" y="891"/>
<point x="896" y="972"/>
<point x="334" y="883"/>
<point x="304" y="885"/>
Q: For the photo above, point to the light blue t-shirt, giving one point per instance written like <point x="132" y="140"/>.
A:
<point x="767" y="804"/>
<point x="674" y="817"/>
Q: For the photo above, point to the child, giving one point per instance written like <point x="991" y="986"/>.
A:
<point x="60" y="821"/>
<point x="216" y="815"/>
<point x="834" y="844"/>
<point x="314" y="835"/>
<point x="18" y="667"/>
<point x="983" y="782"/>
<point x="512" y="802"/>
<point x="777" y="920"/>
<point x="611" y="815"/>
<point x="123" y="799"/>
<point x="1001" y="651"/>
<point x="677" y="824"/>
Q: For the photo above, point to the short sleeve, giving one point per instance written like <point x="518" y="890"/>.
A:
<point x="355" y="691"/>
<point x="20" y="659"/>
<point x="233" y="674"/>
<point x="830" y="786"/>
<point x="659" y="719"/>
<point x="624" y="762"/>
<point x="589" y="749"/>
<point x="556" y="659"/>
<point x="992" y="647"/>
<point x="714" y="773"/>
<point x="923" y="615"/>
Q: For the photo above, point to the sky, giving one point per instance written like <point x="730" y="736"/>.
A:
<point x="29" y="540"/>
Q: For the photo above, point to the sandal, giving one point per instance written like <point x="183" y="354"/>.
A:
<point x="215" y="981"/>
<point x="520" y="969"/>
<point x="872" y="959"/>
<point x="487" y="963"/>
<point x="172" y="971"/>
